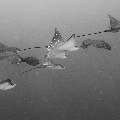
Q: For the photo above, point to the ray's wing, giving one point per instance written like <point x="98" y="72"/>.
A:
<point x="57" y="37"/>
<point x="114" y="23"/>
<point x="55" y="53"/>
<point x="69" y="45"/>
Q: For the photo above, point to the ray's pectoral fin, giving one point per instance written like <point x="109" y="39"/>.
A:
<point x="69" y="45"/>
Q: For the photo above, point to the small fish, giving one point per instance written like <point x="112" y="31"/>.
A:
<point x="7" y="84"/>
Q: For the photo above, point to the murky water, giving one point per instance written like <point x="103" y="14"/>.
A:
<point x="88" y="89"/>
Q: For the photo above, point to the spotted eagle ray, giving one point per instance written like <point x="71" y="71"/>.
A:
<point x="58" y="46"/>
